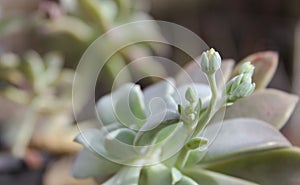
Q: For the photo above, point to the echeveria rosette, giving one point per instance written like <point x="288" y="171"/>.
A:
<point x="36" y="90"/>
<point x="240" y="143"/>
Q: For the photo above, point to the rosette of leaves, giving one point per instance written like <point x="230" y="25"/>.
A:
<point x="36" y="103"/>
<point x="80" y="22"/>
<point x="248" y="148"/>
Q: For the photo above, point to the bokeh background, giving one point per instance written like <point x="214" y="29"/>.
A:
<point x="234" y="28"/>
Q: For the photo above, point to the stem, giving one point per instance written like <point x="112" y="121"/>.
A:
<point x="25" y="133"/>
<point x="182" y="158"/>
<point x="208" y="113"/>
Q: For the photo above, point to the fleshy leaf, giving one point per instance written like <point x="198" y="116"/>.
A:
<point x="280" y="167"/>
<point x="88" y="164"/>
<point x="127" y="175"/>
<point x="156" y="174"/>
<point x="186" y="181"/>
<point x="239" y="136"/>
<point x="270" y="105"/>
<point x="212" y="178"/>
<point x="119" y="144"/>
<point x="106" y="106"/>
<point x="160" y="89"/>
<point x="93" y="140"/>
<point x="265" y="66"/>
<point x="130" y="107"/>
<point x="176" y="175"/>
<point x="76" y="28"/>
<point x="154" y="124"/>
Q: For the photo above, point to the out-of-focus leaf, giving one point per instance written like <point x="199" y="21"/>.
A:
<point x="93" y="140"/>
<point x="127" y="175"/>
<point x="93" y="11"/>
<point x="156" y="174"/>
<point x="76" y="28"/>
<point x="117" y="73"/>
<point x="265" y="66"/>
<point x="240" y="136"/>
<point x="54" y="64"/>
<point x="88" y="164"/>
<point x="212" y="178"/>
<point x="224" y="74"/>
<point x="280" y="167"/>
<point x="10" y="25"/>
<point x="270" y="105"/>
<point x="59" y="173"/>
<point x="190" y="73"/>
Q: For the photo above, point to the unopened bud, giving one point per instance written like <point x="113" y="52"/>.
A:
<point x="210" y="61"/>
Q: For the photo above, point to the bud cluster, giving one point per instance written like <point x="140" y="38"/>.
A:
<point x="241" y="86"/>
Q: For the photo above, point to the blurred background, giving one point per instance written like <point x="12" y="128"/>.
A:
<point x="41" y="42"/>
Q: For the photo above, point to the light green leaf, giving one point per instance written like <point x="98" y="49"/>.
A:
<point x="195" y="156"/>
<point x="153" y="125"/>
<point x="205" y="177"/>
<point x="87" y="164"/>
<point x="106" y="106"/>
<point x="280" y="166"/>
<point x="156" y="174"/>
<point x="130" y="107"/>
<point x="240" y="136"/>
<point x="176" y="175"/>
<point x="127" y="175"/>
<point x="186" y="181"/>
<point x="54" y="64"/>
<point x="270" y="105"/>
<point x="76" y="28"/>
<point x="159" y="89"/>
<point x="93" y="140"/>
<point x="118" y="144"/>
<point x="265" y="66"/>
<point x="117" y="73"/>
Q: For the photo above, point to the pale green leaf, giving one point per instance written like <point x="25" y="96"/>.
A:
<point x="280" y="166"/>
<point x="87" y="164"/>
<point x="156" y="174"/>
<point x="127" y="175"/>
<point x="270" y="105"/>
<point x="154" y="124"/>
<point x="205" y="177"/>
<point x="240" y="136"/>
<point x="186" y="181"/>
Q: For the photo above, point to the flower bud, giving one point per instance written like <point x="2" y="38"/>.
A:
<point x="210" y="61"/>
<point x="241" y="86"/>
<point x="191" y="95"/>
<point x="247" y="67"/>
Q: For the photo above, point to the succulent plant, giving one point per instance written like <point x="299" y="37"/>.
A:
<point x="180" y="138"/>
<point x="89" y="19"/>
<point x="36" y="98"/>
